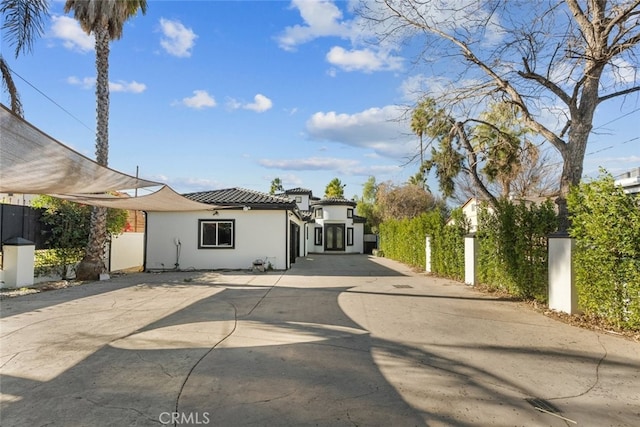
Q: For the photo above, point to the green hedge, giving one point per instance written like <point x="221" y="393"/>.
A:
<point x="606" y="226"/>
<point x="513" y="253"/>
<point x="404" y="241"/>
<point x="513" y="248"/>
<point x="447" y="247"/>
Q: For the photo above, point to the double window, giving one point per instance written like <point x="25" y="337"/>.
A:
<point x="216" y="234"/>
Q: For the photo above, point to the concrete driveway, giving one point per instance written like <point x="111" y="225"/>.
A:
<point x="337" y="340"/>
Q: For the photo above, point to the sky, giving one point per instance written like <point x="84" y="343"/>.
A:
<point x="208" y="95"/>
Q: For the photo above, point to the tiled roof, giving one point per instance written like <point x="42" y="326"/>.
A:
<point x="306" y="215"/>
<point x="298" y="190"/>
<point x="241" y="197"/>
<point x="334" y="201"/>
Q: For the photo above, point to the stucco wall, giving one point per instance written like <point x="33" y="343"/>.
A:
<point x="127" y="251"/>
<point x="258" y="234"/>
<point x="337" y="214"/>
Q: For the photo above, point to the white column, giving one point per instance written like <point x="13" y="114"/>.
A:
<point x="562" y="290"/>
<point x="19" y="260"/>
<point x="470" y="259"/>
<point x="427" y="253"/>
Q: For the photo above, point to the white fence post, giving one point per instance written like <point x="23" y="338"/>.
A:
<point x="562" y="290"/>
<point x="427" y="253"/>
<point x="19" y="261"/>
<point x="470" y="259"/>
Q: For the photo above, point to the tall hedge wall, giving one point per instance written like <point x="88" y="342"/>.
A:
<point x="606" y="226"/>
<point x="513" y="247"/>
<point x="404" y="240"/>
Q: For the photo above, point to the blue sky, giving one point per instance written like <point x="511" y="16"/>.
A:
<point x="219" y="94"/>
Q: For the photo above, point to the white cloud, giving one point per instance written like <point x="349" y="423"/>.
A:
<point x="200" y="99"/>
<point x="84" y="83"/>
<point x="311" y="163"/>
<point x="178" y="40"/>
<point x="119" y="86"/>
<point x="188" y="184"/>
<point x="365" y="60"/>
<point x="130" y="87"/>
<point x="321" y="18"/>
<point x="73" y="37"/>
<point x="382" y="130"/>
<point x="342" y="166"/>
<point x="260" y="104"/>
<point x="233" y="104"/>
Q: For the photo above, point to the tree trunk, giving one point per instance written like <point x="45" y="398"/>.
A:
<point x="572" y="167"/>
<point x="93" y="264"/>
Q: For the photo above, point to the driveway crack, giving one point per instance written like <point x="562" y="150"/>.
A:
<point x="597" y="379"/>
<point x="186" y="379"/>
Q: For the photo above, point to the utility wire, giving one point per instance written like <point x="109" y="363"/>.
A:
<point x="51" y="100"/>
<point x="618" y="118"/>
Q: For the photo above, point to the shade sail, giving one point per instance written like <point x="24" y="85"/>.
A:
<point x="32" y="162"/>
<point x="165" y="199"/>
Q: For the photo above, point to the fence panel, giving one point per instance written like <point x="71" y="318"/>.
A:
<point x="22" y="221"/>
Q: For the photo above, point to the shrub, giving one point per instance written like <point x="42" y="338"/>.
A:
<point x="513" y="247"/>
<point x="606" y="226"/>
<point x="68" y="225"/>
<point x="447" y="247"/>
<point x="404" y="240"/>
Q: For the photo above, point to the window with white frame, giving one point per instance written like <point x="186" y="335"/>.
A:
<point x="216" y="234"/>
<point x="298" y="199"/>
<point x="349" y="236"/>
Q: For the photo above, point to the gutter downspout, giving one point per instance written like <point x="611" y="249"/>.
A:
<point x="286" y="241"/>
<point x="146" y="236"/>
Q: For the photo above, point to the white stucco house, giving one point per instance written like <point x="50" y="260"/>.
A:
<point x="246" y="225"/>
<point x="334" y="227"/>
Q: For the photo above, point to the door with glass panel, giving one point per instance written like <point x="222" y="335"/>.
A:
<point x="334" y="237"/>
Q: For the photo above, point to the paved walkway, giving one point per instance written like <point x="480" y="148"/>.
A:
<point x="336" y="341"/>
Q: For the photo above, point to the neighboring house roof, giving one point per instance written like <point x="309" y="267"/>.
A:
<point x="241" y="197"/>
<point x="359" y="219"/>
<point x="334" y="201"/>
<point x="630" y="181"/>
<point x="298" y="190"/>
<point x="307" y="216"/>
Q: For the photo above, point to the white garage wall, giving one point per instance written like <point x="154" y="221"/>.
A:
<point x="258" y="234"/>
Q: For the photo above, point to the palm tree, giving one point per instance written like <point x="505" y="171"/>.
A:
<point x="105" y="19"/>
<point x="276" y="185"/>
<point x="23" y="24"/>
<point x="419" y="123"/>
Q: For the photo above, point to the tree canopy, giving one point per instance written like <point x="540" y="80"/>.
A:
<point x="335" y="189"/>
<point x="276" y="185"/>
<point x="555" y="60"/>
<point x="23" y="23"/>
